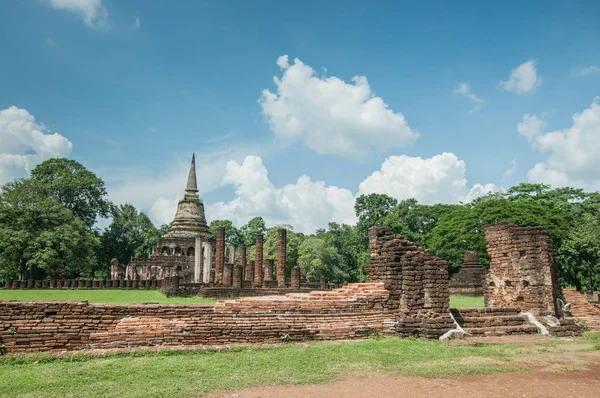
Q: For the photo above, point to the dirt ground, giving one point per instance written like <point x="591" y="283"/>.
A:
<point x="555" y="375"/>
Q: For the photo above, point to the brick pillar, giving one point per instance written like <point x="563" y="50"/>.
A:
<point x="238" y="276"/>
<point x="242" y="262"/>
<point x="323" y="282"/>
<point x="268" y="270"/>
<point x="8" y="284"/>
<point x="251" y="271"/>
<point x="295" y="281"/>
<point x="211" y="277"/>
<point x="220" y="260"/>
<point x="281" y="256"/>
<point x="227" y="273"/>
<point x="198" y="260"/>
<point x="258" y="264"/>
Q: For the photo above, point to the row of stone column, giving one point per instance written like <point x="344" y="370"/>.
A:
<point x="81" y="283"/>
<point x="257" y="271"/>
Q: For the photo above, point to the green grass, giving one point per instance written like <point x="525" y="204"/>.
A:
<point x="101" y="296"/>
<point x="181" y="374"/>
<point x="466" y="302"/>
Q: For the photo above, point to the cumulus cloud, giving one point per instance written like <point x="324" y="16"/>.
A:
<point x="92" y="12"/>
<point x="523" y="79"/>
<point x="464" y="89"/>
<point x="305" y="204"/>
<point x="330" y="115"/>
<point x="590" y="70"/>
<point x="531" y="126"/>
<point x="25" y="143"/>
<point x="440" y="178"/>
<point x="573" y="158"/>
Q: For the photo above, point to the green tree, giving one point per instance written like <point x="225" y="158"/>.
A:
<point x="352" y="255"/>
<point x="249" y="231"/>
<point x="232" y="234"/>
<point x="39" y="236"/>
<point x="316" y="258"/>
<point x="74" y="186"/>
<point x="579" y="254"/>
<point x="130" y="234"/>
<point x="292" y="245"/>
<point x="370" y="209"/>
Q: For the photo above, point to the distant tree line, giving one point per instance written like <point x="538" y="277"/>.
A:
<point x="47" y="229"/>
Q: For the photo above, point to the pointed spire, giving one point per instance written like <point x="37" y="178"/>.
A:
<point x="192" y="189"/>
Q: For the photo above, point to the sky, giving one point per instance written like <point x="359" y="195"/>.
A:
<point x="295" y="109"/>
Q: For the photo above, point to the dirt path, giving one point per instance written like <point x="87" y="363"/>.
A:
<point x="571" y="375"/>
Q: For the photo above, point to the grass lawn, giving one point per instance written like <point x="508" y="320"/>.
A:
<point x="464" y="302"/>
<point x="101" y="296"/>
<point x="181" y="374"/>
<point x="142" y="296"/>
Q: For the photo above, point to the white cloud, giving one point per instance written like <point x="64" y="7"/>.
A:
<point x="514" y="166"/>
<point x="573" y="158"/>
<point x="306" y="204"/>
<point x="481" y="190"/>
<point x="531" y="127"/>
<point x="330" y="115"/>
<point x="440" y="178"/>
<point x="523" y="79"/>
<point x="24" y="143"/>
<point x="590" y="70"/>
<point x="464" y="89"/>
<point x="138" y="23"/>
<point x="92" y="12"/>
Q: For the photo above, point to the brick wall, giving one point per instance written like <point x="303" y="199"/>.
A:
<point x="523" y="269"/>
<point x="80" y="284"/>
<point x="417" y="282"/>
<point x="353" y="311"/>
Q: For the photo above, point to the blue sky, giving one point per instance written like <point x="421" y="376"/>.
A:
<point x="133" y="87"/>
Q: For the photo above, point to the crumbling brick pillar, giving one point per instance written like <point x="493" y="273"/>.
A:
<point x="242" y="262"/>
<point x="523" y="269"/>
<point x="220" y="255"/>
<point x="231" y="253"/>
<point x="238" y="273"/>
<point x="417" y="282"/>
<point x="258" y="264"/>
<point x="323" y="282"/>
<point x="211" y="277"/>
<point x="251" y="267"/>
<point x="8" y="284"/>
<point x="295" y="280"/>
<point x="268" y="270"/>
<point x="281" y="256"/>
<point x="227" y="274"/>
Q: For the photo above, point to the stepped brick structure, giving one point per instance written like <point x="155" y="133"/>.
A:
<point x="417" y="282"/>
<point x="523" y="269"/>
<point x="470" y="279"/>
<point x="186" y="249"/>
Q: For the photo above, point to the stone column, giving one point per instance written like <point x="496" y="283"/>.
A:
<point x="211" y="278"/>
<point x="295" y="280"/>
<point x="238" y="276"/>
<point x="220" y="255"/>
<point x="268" y="270"/>
<point x="207" y="262"/>
<point x="198" y="260"/>
<point x="258" y="264"/>
<point x="281" y="254"/>
<point x="323" y="282"/>
<point x="231" y="253"/>
<point x="242" y="262"/>
<point x="227" y="273"/>
<point x="251" y="271"/>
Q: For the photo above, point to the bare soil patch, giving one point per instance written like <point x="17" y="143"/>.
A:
<point x="553" y="375"/>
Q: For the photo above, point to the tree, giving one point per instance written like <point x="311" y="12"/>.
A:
<point x="39" y="236"/>
<point x="130" y="234"/>
<point x="316" y="258"/>
<point x="74" y="186"/>
<point x="232" y="234"/>
<point x="352" y="255"/>
<point x="292" y="245"/>
<point x="370" y="209"/>
<point x="579" y="254"/>
<point x="251" y="229"/>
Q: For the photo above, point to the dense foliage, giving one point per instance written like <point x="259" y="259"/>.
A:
<point x="48" y="228"/>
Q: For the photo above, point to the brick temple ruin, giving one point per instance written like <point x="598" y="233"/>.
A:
<point x="406" y="294"/>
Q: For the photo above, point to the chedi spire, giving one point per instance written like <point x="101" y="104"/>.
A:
<point x="191" y="189"/>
